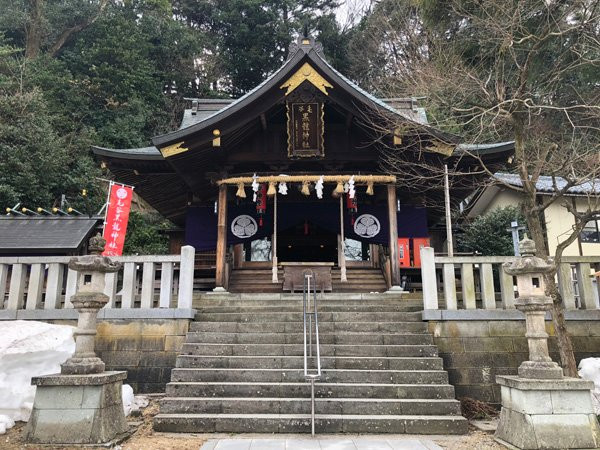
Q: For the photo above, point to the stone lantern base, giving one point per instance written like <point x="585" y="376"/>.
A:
<point x="77" y="409"/>
<point x="547" y="414"/>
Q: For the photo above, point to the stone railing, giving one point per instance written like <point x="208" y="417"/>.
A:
<point x="143" y="282"/>
<point x="478" y="282"/>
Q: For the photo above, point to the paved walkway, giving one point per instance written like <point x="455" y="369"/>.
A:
<point x="354" y="443"/>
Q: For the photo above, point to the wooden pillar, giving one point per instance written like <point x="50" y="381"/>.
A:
<point x="221" y="239"/>
<point x="341" y="243"/>
<point x="393" y="226"/>
<point x="274" y="269"/>
<point x="238" y="256"/>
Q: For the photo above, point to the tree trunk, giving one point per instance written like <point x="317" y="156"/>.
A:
<point x="536" y="231"/>
<point x="565" y="346"/>
<point x="33" y="29"/>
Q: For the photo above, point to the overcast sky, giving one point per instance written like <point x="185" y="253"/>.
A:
<point x="351" y="10"/>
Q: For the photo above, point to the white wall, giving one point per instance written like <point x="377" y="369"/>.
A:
<point x="559" y="221"/>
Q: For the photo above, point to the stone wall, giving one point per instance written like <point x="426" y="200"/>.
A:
<point x="475" y="351"/>
<point x="145" y="348"/>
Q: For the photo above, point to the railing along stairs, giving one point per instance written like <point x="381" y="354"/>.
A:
<point x="309" y="302"/>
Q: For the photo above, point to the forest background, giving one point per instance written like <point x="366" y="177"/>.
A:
<point x="113" y="73"/>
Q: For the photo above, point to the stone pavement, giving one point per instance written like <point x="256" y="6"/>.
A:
<point x="321" y="443"/>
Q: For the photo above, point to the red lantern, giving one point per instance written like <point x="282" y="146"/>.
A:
<point x="261" y="202"/>
<point x="352" y="206"/>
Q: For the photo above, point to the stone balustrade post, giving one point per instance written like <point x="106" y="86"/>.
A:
<point x="429" y="280"/>
<point x="186" y="277"/>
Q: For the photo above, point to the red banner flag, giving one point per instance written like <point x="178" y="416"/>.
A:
<point x="117" y="215"/>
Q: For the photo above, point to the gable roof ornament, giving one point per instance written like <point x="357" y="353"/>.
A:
<point x="306" y="73"/>
<point x="305" y="43"/>
<point x="173" y="149"/>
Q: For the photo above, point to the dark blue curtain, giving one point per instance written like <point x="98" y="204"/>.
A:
<point x="371" y="222"/>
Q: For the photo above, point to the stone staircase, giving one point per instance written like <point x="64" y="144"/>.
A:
<point x="241" y="369"/>
<point x="259" y="280"/>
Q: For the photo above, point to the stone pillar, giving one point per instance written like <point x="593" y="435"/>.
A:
<point x="541" y="409"/>
<point x="82" y="404"/>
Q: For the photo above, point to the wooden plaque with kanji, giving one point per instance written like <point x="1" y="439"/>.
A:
<point x="305" y="129"/>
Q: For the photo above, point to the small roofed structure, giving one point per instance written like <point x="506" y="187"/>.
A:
<point x="46" y="235"/>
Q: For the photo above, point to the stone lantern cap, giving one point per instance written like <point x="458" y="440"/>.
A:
<point x="94" y="262"/>
<point x="528" y="262"/>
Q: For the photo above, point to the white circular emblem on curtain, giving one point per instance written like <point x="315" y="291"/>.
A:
<point x="244" y="226"/>
<point x="367" y="226"/>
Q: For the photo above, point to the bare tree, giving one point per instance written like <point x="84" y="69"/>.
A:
<point x="526" y="71"/>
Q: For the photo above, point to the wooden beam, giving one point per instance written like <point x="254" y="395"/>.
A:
<point x="263" y="122"/>
<point x="221" y="239"/>
<point x="393" y="226"/>
<point x="349" y="118"/>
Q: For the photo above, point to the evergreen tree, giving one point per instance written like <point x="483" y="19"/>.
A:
<point x="250" y="38"/>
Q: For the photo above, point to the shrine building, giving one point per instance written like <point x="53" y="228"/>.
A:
<point x="294" y="174"/>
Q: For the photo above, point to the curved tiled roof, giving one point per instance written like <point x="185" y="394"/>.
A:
<point x="303" y="51"/>
<point x="546" y="183"/>
<point x="146" y="153"/>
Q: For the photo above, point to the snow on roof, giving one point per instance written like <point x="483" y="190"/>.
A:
<point x="547" y="184"/>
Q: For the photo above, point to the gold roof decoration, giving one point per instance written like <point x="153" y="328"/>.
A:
<point x="173" y="149"/>
<point x="308" y="73"/>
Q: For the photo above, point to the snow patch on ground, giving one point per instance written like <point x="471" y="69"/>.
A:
<point x="589" y="369"/>
<point x="27" y="349"/>
<point x="132" y="403"/>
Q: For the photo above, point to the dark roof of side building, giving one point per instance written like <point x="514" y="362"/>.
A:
<point x="45" y="234"/>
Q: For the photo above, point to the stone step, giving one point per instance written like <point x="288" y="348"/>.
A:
<point x="297" y="362"/>
<point x="329" y="298"/>
<point x="334" y="270"/>
<point x="242" y="366"/>
<point x="404" y="305"/>
<point x="298" y="338"/>
<point x="302" y="389"/>
<point x="400" y="295"/>
<point x="298" y="349"/>
<point x="241" y="285"/>
<point x="301" y="423"/>
<point x="370" y="406"/>
<point x="323" y="317"/>
<point x="294" y="327"/>
<point x="268" y="277"/>
<point x="298" y="307"/>
<point x="257" y="289"/>
<point x="297" y="376"/>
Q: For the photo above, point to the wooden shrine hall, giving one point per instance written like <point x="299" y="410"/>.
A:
<point x="293" y="175"/>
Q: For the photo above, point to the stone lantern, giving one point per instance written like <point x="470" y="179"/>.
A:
<point x="542" y="409"/>
<point x="533" y="302"/>
<point x="88" y="300"/>
<point x="83" y="404"/>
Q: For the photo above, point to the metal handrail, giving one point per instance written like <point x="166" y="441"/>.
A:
<point x="307" y="290"/>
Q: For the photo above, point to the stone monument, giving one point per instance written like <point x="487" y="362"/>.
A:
<point x="542" y="409"/>
<point x="82" y="404"/>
